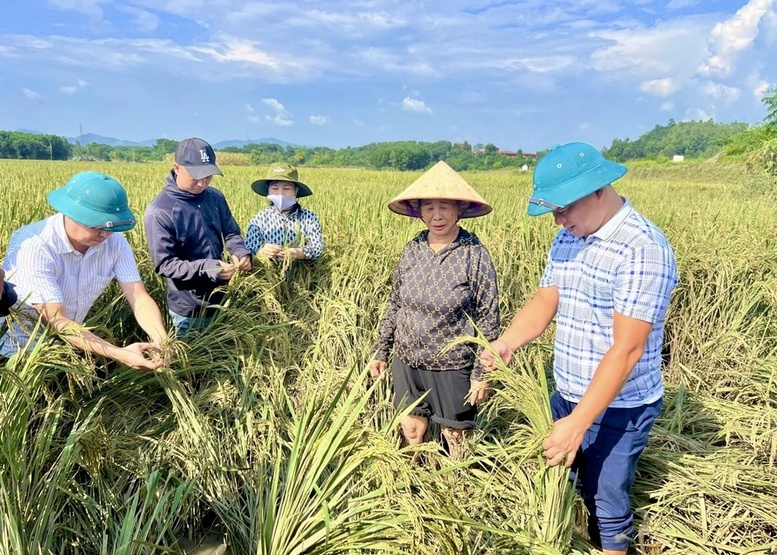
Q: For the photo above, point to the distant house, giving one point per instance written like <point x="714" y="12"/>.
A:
<point x="480" y="150"/>
<point x="678" y="158"/>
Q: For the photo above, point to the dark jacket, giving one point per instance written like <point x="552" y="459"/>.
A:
<point x="437" y="297"/>
<point x="186" y="235"/>
<point x="9" y="298"/>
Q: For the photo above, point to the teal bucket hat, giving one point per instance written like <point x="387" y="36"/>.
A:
<point x="568" y="173"/>
<point x="95" y="200"/>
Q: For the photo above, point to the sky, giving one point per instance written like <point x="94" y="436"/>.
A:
<point x="521" y="74"/>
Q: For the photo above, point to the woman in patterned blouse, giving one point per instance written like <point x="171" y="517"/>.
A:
<point x="444" y="282"/>
<point x="284" y="228"/>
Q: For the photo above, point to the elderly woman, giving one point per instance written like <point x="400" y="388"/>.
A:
<point x="444" y="282"/>
<point x="284" y="226"/>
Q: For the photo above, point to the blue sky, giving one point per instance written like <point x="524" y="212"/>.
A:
<point x="523" y="74"/>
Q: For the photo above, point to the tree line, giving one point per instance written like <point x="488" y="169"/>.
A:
<point x="400" y="155"/>
<point x="692" y="139"/>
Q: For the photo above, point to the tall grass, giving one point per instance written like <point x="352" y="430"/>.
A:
<point x="265" y="430"/>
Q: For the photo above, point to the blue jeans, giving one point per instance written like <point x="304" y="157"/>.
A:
<point x="605" y="467"/>
<point x="183" y="324"/>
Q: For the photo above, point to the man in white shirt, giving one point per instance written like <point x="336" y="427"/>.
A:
<point x="62" y="264"/>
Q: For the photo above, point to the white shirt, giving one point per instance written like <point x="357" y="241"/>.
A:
<point x="45" y="268"/>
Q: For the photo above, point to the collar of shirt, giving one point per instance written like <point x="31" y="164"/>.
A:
<point x="461" y="237"/>
<point x="63" y="244"/>
<point x="606" y="231"/>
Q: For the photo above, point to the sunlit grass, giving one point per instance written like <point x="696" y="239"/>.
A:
<point x="266" y="430"/>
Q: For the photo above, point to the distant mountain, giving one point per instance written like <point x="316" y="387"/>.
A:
<point x="240" y="144"/>
<point x="110" y="141"/>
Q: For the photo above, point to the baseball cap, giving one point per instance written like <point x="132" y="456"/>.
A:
<point x="198" y="157"/>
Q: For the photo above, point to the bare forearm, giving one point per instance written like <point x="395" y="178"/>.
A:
<point x="629" y="338"/>
<point x="532" y="320"/>
<point x="150" y="319"/>
<point x="81" y="338"/>
<point x="609" y="379"/>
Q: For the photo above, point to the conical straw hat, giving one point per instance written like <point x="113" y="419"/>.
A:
<point x="440" y="182"/>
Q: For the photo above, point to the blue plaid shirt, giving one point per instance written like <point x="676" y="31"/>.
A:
<point x="627" y="266"/>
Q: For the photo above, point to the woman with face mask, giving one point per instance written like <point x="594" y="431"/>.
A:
<point x="284" y="228"/>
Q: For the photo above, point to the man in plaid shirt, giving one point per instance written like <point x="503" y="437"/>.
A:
<point x="608" y="280"/>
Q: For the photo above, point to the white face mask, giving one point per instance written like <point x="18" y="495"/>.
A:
<point x="282" y="202"/>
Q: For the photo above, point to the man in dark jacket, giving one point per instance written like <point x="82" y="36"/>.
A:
<point x="188" y="225"/>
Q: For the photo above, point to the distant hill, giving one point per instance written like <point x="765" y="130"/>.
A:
<point x="240" y="144"/>
<point x="113" y="141"/>
<point x="110" y="141"/>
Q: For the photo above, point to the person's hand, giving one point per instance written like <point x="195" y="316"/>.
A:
<point x="134" y="355"/>
<point x="243" y="264"/>
<point x="163" y="350"/>
<point x="227" y="269"/>
<point x="501" y="348"/>
<point x="478" y="391"/>
<point x="378" y="369"/>
<point x="294" y="254"/>
<point x="564" y="441"/>
<point x="270" y="250"/>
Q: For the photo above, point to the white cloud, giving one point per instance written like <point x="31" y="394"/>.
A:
<point x="386" y="60"/>
<point x="700" y="114"/>
<point x="660" y="87"/>
<point x="32" y="95"/>
<point x="319" y="120"/>
<point x="351" y="24"/>
<point x="672" y="48"/>
<point x="358" y="123"/>
<point x="415" y="105"/>
<point x="718" y="90"/>
<point x="667" y="107"/>
<point x="144" y="20"/>
<point x="760" y="89"/>
<point x="239" y="50"/>
<point x="92" y="8"/>
<point x="73" y="89"/>
<point x="540" y="64"/>
<point x="680" y="4"/>
<point x="282" y="117"/>
<point x="249" y="108"/>
<point x="731" y="37"/>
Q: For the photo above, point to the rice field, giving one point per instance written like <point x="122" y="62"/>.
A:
<point x="267" y="431"/>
